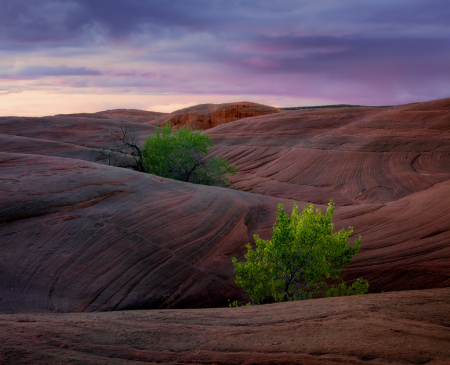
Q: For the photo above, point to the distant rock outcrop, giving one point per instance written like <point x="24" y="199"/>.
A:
<point x="206" y="116"/>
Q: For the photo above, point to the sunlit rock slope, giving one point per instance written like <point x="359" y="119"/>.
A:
<point x="207" y="116"/>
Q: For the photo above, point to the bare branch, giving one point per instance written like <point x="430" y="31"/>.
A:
<point x="124" y="150"/>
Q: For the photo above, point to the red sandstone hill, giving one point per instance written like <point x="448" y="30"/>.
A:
<point x="77" y="136"/>
<point x="206" y="116"/>
<point x="391" y="328"/>
<point x="79" y="236"/>
<point x="353" y="155"/>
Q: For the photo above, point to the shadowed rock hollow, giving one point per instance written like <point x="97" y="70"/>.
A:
<point x="206" y="116"/>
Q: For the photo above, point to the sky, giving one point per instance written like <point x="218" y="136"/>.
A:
<point x="66" y="56"/>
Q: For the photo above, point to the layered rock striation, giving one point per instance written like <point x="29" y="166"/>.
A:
<point x="352" y="155"/>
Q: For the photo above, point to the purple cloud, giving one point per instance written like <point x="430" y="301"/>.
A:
<point x="32" y="72"/>
<point x="347" y="51"/>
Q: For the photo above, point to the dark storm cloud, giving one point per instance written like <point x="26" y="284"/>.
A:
<point x="50" y="22"/>
<point x="57" y="20"/>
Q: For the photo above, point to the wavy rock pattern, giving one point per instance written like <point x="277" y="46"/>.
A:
<point x="406" y="243"/>
<point x="353" y="155"/>
<point x="392" y="328"/>
<point x="79" y="236"/>
<point x="36" y="146"/>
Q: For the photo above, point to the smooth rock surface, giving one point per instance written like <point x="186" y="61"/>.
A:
<point x="406" y="243"/>
<point x="410" y="327"/>
<point x="87" y="130"/>
<point x="79" y="236"/>
<point x="132" y="115"/>
<point x="37" y="146"/>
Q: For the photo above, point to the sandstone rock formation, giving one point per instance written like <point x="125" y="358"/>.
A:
<point x="206" y="116"/>
<point x="392" y="328"/>
<point x="79" y="236"/>
<point x="353" y="155"/>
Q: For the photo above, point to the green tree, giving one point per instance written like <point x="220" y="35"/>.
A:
<point x="301" y="258"/>
<point x="182" y="155"/>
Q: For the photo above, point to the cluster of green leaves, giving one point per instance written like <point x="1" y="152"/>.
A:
<point x="182" y="155"/>
<point x="301" y="258"/>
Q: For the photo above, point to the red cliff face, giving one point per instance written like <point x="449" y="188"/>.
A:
<point x="206" y="116"/>
<point x="80" y="236"/>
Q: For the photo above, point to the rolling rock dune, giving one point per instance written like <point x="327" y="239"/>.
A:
<point x="79" y="236"/>
<point x="353" y="155"/>
<point x="76" y="136"/>
<point x="50" y="182"/>
<point x="387" y="168"/>
<point x="87" y="130"/>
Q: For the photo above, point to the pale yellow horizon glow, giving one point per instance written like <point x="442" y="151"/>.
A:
<point x="40" y="103"/>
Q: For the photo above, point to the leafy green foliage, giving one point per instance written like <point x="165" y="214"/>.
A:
<point x="296" y="263"/>
<point x="181" y="156"/>
<point x="236" y="304"/>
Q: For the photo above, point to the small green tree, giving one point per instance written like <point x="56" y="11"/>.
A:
<point x="182" y="155"/>
<point x="301" y="257"/>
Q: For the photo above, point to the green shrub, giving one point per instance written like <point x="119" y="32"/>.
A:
<point x="182" y="155"/>
<point x="301" y="258"/>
